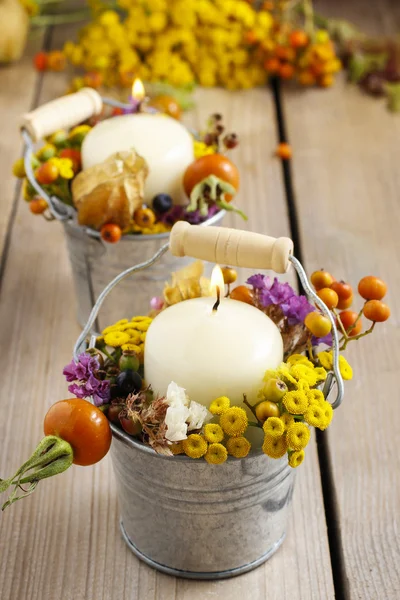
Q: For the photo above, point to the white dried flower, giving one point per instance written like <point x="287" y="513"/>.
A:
<point x="175" y="420"/>
<point x="176" y="395"/>
<point x="198" y="415"/>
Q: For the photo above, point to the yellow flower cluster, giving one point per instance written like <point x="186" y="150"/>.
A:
<point x="326" y="360"/>
<point x="300" y="407"/>
<point x="210" y="444"/>
<point x="130" y="335"/>
<point x="178" y="41"/>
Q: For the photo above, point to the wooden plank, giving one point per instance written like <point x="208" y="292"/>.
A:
<point x="64" y="542"/>
<point x="18" y="86"/>
<point x="346" y="180"/>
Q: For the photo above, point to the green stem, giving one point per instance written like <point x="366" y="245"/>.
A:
<point x="247" y="403"/>
<point x="357" y="337"/>
<point x="252" y="424"/>
<point x="52" y="456"/>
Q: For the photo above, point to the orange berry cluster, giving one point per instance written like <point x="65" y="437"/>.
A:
<point x="339" y="295"/>
<point x="293" y="54"/>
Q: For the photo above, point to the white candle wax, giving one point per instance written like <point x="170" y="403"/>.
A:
<point x="164" y="143"/>
<point x="212" y="353"/>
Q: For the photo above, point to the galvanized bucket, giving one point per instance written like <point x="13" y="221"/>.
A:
<point x="191" y="519"/>
<point x="95" y="263"/>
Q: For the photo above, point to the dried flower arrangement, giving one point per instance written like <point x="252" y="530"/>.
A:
<point x="109" y="197"/>
<point x="289" y="401"/>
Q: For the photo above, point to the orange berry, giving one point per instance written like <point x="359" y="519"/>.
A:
<point x="343" y="289"/>
<point x="144" y="217"/>
<point x="111" y="233"/>
<point x="372" y="288"/>
<point x="345" y="303"/>
<point x="116" y="112"/>
<point x="167" y="105"/>
<point x="242" y="293"/>
<point x="272" y="65"/>
<point x="284" y="52"/>
<point x="348" y="318"/>
<point x="329" y="297"/>
<point x="284" y="151"/>
<point x="56" y="60"/>
<point x="267" y="409"/>
<point x="298" y="39"/>
<point x="40" y="61"/>
<point x="321" y="279"/>
<point x="37" y="206"/>
<point x="377" y="311"/>
<point x="318" y="324"/>
<point x="286" y="71"/>
<point x="47" y="173"/>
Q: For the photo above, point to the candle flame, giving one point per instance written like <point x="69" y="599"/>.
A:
<point x="138" y="92"/>
<point x="217" y="280"/>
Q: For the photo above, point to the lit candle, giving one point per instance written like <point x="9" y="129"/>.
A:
<point x="211" y="350"/>
<point x="164" y="143"/>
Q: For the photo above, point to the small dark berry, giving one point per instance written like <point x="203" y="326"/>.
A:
<point x="230" y="141"/>
<point x="128" y="382"/>
<point x="162" y="203"/>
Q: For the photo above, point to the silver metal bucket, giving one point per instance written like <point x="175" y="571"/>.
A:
<point x="199" y="521"/>
<point x="95" y="263"/>
<point x="191" y="519"/>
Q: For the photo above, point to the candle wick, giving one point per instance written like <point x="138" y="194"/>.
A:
<point x="215" y="307"/>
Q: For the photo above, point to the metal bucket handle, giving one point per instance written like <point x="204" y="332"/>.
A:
<point x="237" y="248"/>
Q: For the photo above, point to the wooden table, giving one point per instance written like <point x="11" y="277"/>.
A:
<point x="64" y="542"/>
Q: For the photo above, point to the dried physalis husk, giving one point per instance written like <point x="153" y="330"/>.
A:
<point x="111" y="191"/>
<point x="187" y="283"/>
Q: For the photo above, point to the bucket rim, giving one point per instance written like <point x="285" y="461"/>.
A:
<point x="93" y="233"/>
<point x="126" y="439"/>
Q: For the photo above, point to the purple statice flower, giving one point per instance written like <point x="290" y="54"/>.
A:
<point x="82" y="369"/>
<point x="275" y="292"/>
<point x="296" y="308"/>
<point x="327" y="340"/>
<point x="178" y="213"/>
<point x="84" y="372"/>
<point x="257" y="281"/>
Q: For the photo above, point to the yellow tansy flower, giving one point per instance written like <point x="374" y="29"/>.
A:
<point x="287" y="420"/>
<point x="296" y="359"/>
<point x="134" y="336"/>
<point x="195" y="446"/>
<point x="234" y="421"/>
<point x="239" y="447"/>
<point x="128" y="347"/>
<point x="216" y="454"/>
<point x="64" y="166"/>
<point x="274" y="447"/>
<point x="296" y="402"/>
<point x="142" y="325"/>
<point x="321" y="373"/>
<point x="315" y="397"/>
<point x="274" y="427"/>
<point x="138" y="319"/>
<point x="213" y="433"/>
<point x="300" y="371"/>
<point x="326" y="359"/>
<point x="328" y="414"/>
<point x="177" y="448"/>
<point x="116" y="338"/>
<point x="143" y="336"/>
<point x="315" y="415"/>
<point x="296" y="458"/>
<point x="201" y="149"/>
<point x="219" y="405"/>
<point x="298" y="436"/>
<point x="345" y="369"/>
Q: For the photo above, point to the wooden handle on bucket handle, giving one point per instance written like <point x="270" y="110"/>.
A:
<point x="231" y="247"/>
<point x="62" y="113"/>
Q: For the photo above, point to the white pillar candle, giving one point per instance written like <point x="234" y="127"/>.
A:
<point x="164" y="143"/>
<point x="212" y="353"/>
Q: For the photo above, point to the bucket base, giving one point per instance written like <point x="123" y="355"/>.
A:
<point x="199" y="574"/>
